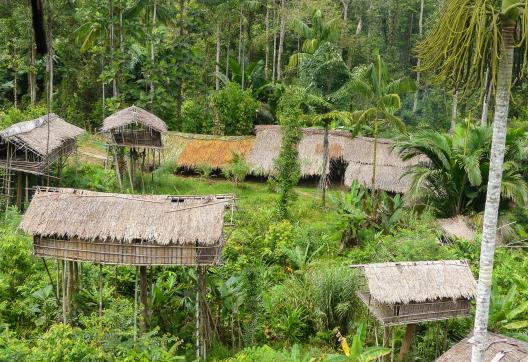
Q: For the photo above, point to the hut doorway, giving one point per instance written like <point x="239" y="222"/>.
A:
<point x="337" y="170"/>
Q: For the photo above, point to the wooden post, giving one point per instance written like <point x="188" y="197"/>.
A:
<point x="118" y="172"/>
<point x="27" y="190"/>
<point x="135" y="304"/>
<point x="71" y="284"/>
<point x="407" y="339"/>
<point x="444" y="344"/>
<point x="386" y="337"/>
<point x="144" y="298"/>
<point x="19" y="191"/>
<point x="100" y="290"/>
<point x="64" y="307"/>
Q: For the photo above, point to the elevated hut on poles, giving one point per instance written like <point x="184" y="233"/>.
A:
<point x="34" y="148"/>
<point x="119" y="229"/>
<point x="139" y="131"/>
<point x="407" y="293"/>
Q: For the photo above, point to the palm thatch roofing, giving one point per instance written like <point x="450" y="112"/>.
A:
<point x="205" y="150"/>
<point x="133" y="116"/>
<point x="499" y="348"/>
<point x="34" y="136"/>
<point x="421" y="281"/>
<point x="356" y="151"/>
<point x="457" y="227"/>
<point x="121" y="218"/>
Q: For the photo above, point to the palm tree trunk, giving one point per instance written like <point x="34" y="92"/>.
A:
<point x="454" y="110"/>
<point x="111" y="36"/>
<point x="324" y="175"/>
<point x="420" y="27"/>
<point x="374" y="159"/>
<point x="152" y="57"/>
<point x="485" y="103"/>
<point x="345" y="3"/>
<point x="32" y="75"/>
<point x="266" y="61"/>
<point x="491" y="211"/>
<point x="240" y="34"/>
<point x="217" y="66"/>
<point x="15" y="84"/>
<point x="274" y="62"/>
<point x="281" y="40"/>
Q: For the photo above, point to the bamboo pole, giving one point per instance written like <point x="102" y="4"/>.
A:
<point x="100" y="290"/>
<point x="64" y="308"/>
<point x="135" y="304"/>
<point x="144" y="299"/>
<point x="51" y="282"/>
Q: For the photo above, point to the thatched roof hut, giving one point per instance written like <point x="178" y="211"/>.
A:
<point x="134" y="127"/>
<point x="32" y="146"/>
<point x="355" y="152"/>
<point x="410" y="292"/>
<point x="126" y="229"/>
<point x="457" y="228"/>
<point x="204" y="150"/>
<point x="499" y="348"/>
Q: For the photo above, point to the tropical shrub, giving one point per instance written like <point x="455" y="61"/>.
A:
<point x="233" y="110"/>
<point x="237" y="169"/>
<point x="196" y="117"/>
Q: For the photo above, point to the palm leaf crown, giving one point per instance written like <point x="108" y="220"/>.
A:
<point x="467" y="40"/>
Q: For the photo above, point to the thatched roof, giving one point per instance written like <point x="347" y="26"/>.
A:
<point x="457" y="227"/>
<point x="106" y="217"/>
<point x="133" y="115"/>
<point x="499" y="348"/>
<point x="33" y="135"/>
<point x="213" y="151"/>
<point x="356" y="151"/>
<point x="421" y="281"/>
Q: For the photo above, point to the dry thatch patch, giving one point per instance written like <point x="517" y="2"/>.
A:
<point x="119" y="218"/>
<point x="422" y="281"/>
<point x="498" y="348"/>
<point x="457" y="227"/>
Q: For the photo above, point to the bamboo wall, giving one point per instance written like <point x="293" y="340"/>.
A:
<point x="395" y="314"/>
<point x="137" y="138"/>
<point x="126" y="254"/>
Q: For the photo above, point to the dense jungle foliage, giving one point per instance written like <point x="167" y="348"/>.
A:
<point x="221" y="67"/>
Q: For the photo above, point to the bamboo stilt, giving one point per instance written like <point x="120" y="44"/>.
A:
<point x="407" y="339"/>
<point x="144" y="297"/>
<point x="100" y="290"/>
<point x="64" y="308"/>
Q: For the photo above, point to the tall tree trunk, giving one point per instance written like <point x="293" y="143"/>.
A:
<point x="15" y="83"/>
<point x="266" y="25"/>
<point x="111" y="38"/>
<point x="274" y="62"/>
<point x="345" y="3"/>
<point x="281" y="39"/>
<point x="491" y="211"/>
<point x="420" y="29"/>
<point x="32" y="75"/>
<point x="179" y="95"/>
<point x="485" y="102"/>
<point x="324" y="175"/>
<point x="374" y="159"/>
<point x="152" y="59"/>
<point x="240" y="34"/>
<point x="454" y="110"/>
<point x="217" y="58"/>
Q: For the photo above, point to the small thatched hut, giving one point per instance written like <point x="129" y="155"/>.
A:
<point x="80" y="225"/>
<point x="499" y="348"/>
<point x="134" y="127"/>
<point x="351" y="157"/>
<point x="457" y="228"/>
<point x="28" y="146"/>
<point x="412" y="292"/>
<point x="204" y="150"/>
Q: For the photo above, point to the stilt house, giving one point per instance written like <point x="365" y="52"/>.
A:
<point x="413" y="292"/>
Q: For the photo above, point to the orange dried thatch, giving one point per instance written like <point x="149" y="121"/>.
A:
<point x="213" y="152"/>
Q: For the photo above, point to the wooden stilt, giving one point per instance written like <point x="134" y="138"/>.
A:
<point x="118" y="172"/>
<point x="51" y="282"/>
<point x="144" y="297"/>
<point x="71" y="283"/>
<point x="64" y="302"/>
<point x="386" y="337"/>
<point x="100" y="290"/>
<point x="444" y="344"/>
<point x="26" y="198"/>
<point x="135" y="303"/>
<point x="19" y="191"/>
<point x="197" y="316"/>
<point x="407" y="339"/>
<point x="130" y="176"/>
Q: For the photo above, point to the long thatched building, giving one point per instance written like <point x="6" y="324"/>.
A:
<point x="499" y="348"/>
<point x="412" y="292"/>
<point x="134" y="127"/>
<point x="351" y="158"/>
<point x="80" y="225"/>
